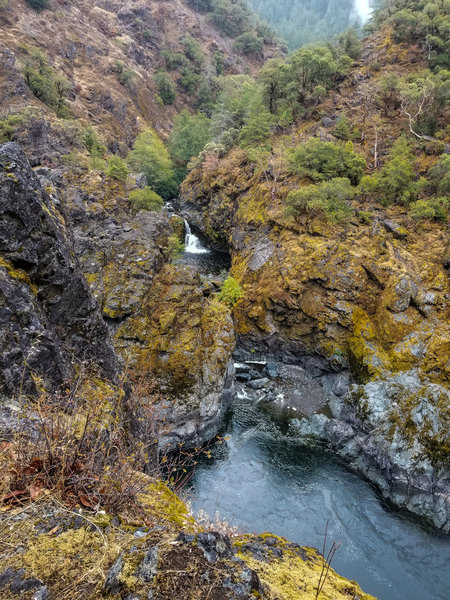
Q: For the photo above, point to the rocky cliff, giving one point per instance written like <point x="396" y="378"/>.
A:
<point x="369" y="295"/>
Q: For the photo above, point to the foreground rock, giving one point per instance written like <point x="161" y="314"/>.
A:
<point x="49" y="321"/>
<point x="161" y="555"/>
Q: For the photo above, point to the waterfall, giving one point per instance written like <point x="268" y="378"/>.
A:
<point x="363" y="9"/>
<point x="192" y="243"/>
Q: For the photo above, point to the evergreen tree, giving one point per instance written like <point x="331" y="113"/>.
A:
<point x="150" y="156"/>
<point x="256" y="131"/>
<point x="188" y="138"/>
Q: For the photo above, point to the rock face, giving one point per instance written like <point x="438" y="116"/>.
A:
<point x="49" y="320"/>
<point x="394" y="431"/>
<point x="366" y="298"/>
<point x="184" y="341"/>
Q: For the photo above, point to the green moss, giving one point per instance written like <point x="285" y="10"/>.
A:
<point x="19" y="275"/>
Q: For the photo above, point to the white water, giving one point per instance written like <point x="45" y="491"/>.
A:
<point x="363" y="9"/>
<point x="191" y="242"/>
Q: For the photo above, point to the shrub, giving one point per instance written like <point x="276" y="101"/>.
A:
<point x="188" y="138"/>
<point x="439" y="176"/>
<point x="324" y="160"/>
<point x="232" y="17"/>
<point x="117" y="168"/>
<point x="175" y="247"/>
<point x="38" y="4"/>
<point x="396" y="178"/>
<point x="248" y="43"/>
<point x="46" y="83"/>
<point x="166" y="87"/>
<point x="231" y="291"/>
<point x="192" y="50"/>
<point x="434" y="208"/>
<point x="146" y="199"/>
<point x="329" y="197"/>
<point x="8" y="127"/>
<point x="341" y="129"/>
<point x="124" y="76"/>
<point x="365" y="216"/>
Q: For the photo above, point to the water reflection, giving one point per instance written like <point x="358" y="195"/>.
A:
<point x="262" y="480"/>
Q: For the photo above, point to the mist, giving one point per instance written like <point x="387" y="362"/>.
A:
<point x="363" y="9"/>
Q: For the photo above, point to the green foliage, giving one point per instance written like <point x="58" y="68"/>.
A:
<point x="3" y="4"/>
<point x="146" y="199"/>
<point x="175" y="247"/>
<point x="38" y="4"/>
<point x="124" y="76"/>
<point x="419" y="21"/>
<point x="365" y="216"/>
<point x="231" y="291"/>
<point x="439" y="176"/>
<point x="341" y="129"/>
<point x="256" y="129"/>
<point x="150" y="156"/>
<point x="117" y="168"/>
<point x="202" y="6"/>
<point x="329" y="198"/>
<point x="188" y="138"/>
<point x="190" y="80"/>
<point x="234" y="97"/>
<point x="324" y="160"/>
<point x="349" y="43"/>
<point x="232" y="17"/>
<point x="8" y="127"/>
<point x="435" y="209"/>
<point x="93" y="143"/>
<point x="192" y="50"/>
<point x="395" y="181"/>
<point x="166" y="87"/>
<point x="248" y="43"/>
<point x="45" y="82"/>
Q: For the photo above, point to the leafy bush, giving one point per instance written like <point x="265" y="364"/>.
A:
<point x="329" y="198"/>
<point x="8" y="127"/>
<point x="201" y="5"/>
<point x="439" y="176"/>
<point x="46" y="83"/>
<point x="175" y="247"/>
<point x="324" y="160"/>
<point x="38" y="4"/>
<point x="150" y="156"/>
<point x="256" y="129"/>
<point x="166" y="87"/>
<point x="124" y="76"/>
<point x="231" y="291"/>
<point x="146" y="199"/>
<point x="341" y="129"/>
<point x="192" y="50"/>
<point x="117" y="168"/>
<point x="232" y="17"/>
<point x="434" y="208"/>
<point x="248" y="43"/>
<point x="395" y="181"/>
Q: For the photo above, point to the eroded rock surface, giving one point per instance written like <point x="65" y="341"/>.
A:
<point x="49" y="320"/>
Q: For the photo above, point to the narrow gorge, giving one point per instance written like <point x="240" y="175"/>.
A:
<point x="224" y="300"/>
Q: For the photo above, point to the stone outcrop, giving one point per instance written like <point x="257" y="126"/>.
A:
<point x="50" y="323"/>
<point x="369" y="298"/>
<point x="184" y="341"/>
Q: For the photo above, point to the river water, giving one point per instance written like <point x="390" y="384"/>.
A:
<point x="261" y="479"/>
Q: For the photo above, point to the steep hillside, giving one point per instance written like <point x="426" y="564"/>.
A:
<point x="107" y="57"/>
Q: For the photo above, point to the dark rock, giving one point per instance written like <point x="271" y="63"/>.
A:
<point x="257" y="384"/>
<point x="112" y="584"/>
<point x="214" y="546"/>
<point x="272" y="369"/>
<point x="243" y="377"/>
<point x="149" y="566"/>
<point x="19" y="585"/>
<point x="6" y="576"/>
<point x="48" y="318"/>
<point x="397" y="231"/>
